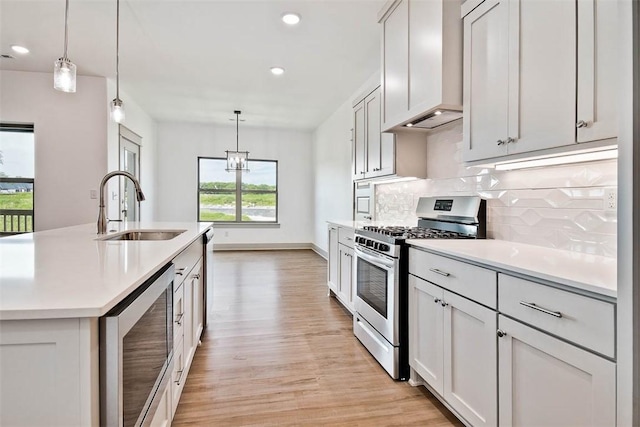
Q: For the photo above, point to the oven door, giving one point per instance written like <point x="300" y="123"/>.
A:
<point x="376" y="277"/>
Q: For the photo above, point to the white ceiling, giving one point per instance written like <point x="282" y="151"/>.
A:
<point x="198" y="60"/>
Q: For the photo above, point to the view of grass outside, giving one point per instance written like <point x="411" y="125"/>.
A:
<point x="255" y="191"/>
<point x="16" y="180"/>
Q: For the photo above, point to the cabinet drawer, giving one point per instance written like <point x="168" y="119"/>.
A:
<point x="585" y="321"/>
<point x="185" y="261"/>
<point x="476" y="283"/>
<point x="345" y="236"/>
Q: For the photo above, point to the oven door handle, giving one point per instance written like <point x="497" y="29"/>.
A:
<point x="380" y="261"/>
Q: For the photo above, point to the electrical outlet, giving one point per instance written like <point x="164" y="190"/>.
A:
<point x="610" y="199"/>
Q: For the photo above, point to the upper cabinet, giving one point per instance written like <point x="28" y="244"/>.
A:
<point x="378" y="154"/>
<point x="421" y="63"/>
<point x="531" y="87"/>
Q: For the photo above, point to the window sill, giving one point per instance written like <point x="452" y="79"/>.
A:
<point x="245" y="225"/>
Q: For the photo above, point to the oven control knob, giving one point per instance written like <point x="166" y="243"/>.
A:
<point x="376" y="245"/>
<point x="383" y="247"/>
<point x="358" y="239"/>
<point x="369" y="243"/>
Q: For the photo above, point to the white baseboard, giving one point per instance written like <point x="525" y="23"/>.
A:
<point x="260" y="246"/>
<point x="320" y="251"/>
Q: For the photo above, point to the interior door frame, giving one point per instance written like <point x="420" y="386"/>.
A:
<point x="131" y="137"/>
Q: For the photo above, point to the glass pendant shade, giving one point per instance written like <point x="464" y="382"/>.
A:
<point x="237" y="160"/>
<point x="64" y="75"/>
<point x="117" y="111"/>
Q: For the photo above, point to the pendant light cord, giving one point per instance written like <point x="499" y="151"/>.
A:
<point x="237" y="132"/>
<point x="117" y="49"/>
<point x="66" y="28"/>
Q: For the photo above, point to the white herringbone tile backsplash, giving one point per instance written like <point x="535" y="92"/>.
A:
<point x="559" y="207"/>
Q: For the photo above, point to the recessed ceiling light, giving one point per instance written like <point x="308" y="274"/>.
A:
<point x="19" y="49"/>
<point x="290" y="18"/>
<point x="277" y="71"/>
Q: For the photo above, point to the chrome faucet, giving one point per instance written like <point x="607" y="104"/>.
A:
<point x="102" y="215"/>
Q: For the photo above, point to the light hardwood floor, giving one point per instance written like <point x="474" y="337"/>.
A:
<point x="278" y="351"/>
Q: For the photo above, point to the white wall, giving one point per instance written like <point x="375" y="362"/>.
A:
<point x="178" y="148"/>
<point x="70" y="142"/>
<point x="138" y="121"/>
<point x="332" y="160"/>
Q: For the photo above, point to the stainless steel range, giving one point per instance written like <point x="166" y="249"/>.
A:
<point x="381" y="274"/>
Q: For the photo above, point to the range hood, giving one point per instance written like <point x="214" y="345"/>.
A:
<point x="435" y="119"/>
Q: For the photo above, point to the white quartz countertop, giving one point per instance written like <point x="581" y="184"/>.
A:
<point x="590" y="273"/>
<point x="66" y="272"/>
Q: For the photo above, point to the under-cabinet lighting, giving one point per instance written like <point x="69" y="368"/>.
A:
<point x="560" y="160"/>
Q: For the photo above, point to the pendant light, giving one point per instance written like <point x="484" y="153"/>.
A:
<point x="117" y="110"/>
<point x="64" y="71"/>
<point x="237" y="160"/>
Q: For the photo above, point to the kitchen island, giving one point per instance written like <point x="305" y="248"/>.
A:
<point x="54" y="286"/>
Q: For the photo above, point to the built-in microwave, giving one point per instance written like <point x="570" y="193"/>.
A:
<point x="136" y="353"/>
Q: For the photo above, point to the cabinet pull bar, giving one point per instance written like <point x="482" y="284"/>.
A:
<point x="440" y="272"/>
<point x="179" y="319"/>
<point x="180" y="377"/>
<point x="180" y="271"/>
<point x="544" y="310"/>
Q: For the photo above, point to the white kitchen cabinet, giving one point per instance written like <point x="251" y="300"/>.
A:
<point x="374" y="152"/>
<point x="164" y="412"/>
<point x="520" y="78"/>
<point x="547" y="382"/>
<point x="188" y="313"/>
<point x="452" y="347"/>
<point x="345" y="288"/>
<point x="363" y="200"/>
<point x="334" y="260"/>
<point x="341" y="265"/>
<point x="421" y="59"/>
<point x="597" y="70"/>
<point x="49" y="372"/>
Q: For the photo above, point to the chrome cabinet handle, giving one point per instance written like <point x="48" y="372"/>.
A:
<point x="196" y="276"/>
<point x="442" y="273"/>
<point x="509" y="140"/>
<point x="544" y="310"/>
<point x="501" y="333"/>
<point x="367" y="217"/>
<point x="444" y="304"/>
<point x="180" y="271"/>
<point x="178" y="320"/>
<point x="581" y="124"/>
<point x="437" y="300"/>
<point x="501" y="142"/>
<point x="362" y="173"/>
<point x="180" y="377"/>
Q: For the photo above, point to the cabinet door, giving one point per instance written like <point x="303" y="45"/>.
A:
<point x="372" y="112"/>
<point x="198" y="302"/>
<point x="193" y="296"/>
<point x="597" y="70"/>
<point x="546" y="79"/>
<point x="346" y="274"/>
<point x="547" y="382"/>
<point x="359" y="141"/>
<point x="486" y="80"/>
<point x="470" y="360"/>
<point x="426" y="331"/>
<point x="387" y="154"/>
<point x="395" y="65"/>
<point x="334" y="257"/>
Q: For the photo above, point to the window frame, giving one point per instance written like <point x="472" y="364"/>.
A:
<point x="238" y="194"/>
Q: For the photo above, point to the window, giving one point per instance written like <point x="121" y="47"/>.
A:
<point x="17" y="154"/>
<point x="238" y="197"/>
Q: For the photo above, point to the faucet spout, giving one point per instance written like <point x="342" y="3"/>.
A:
<point x="102" y="215"/>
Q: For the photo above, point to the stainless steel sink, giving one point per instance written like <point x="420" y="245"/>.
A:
<point x="143" y="235"/>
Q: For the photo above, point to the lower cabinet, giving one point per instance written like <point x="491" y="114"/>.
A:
<point x="452" y="346"/>
<point x="164" y="413"/>
<point x="547" y="382"/>
<point x="544" y="357"/>
<point x="341" y="264"/>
